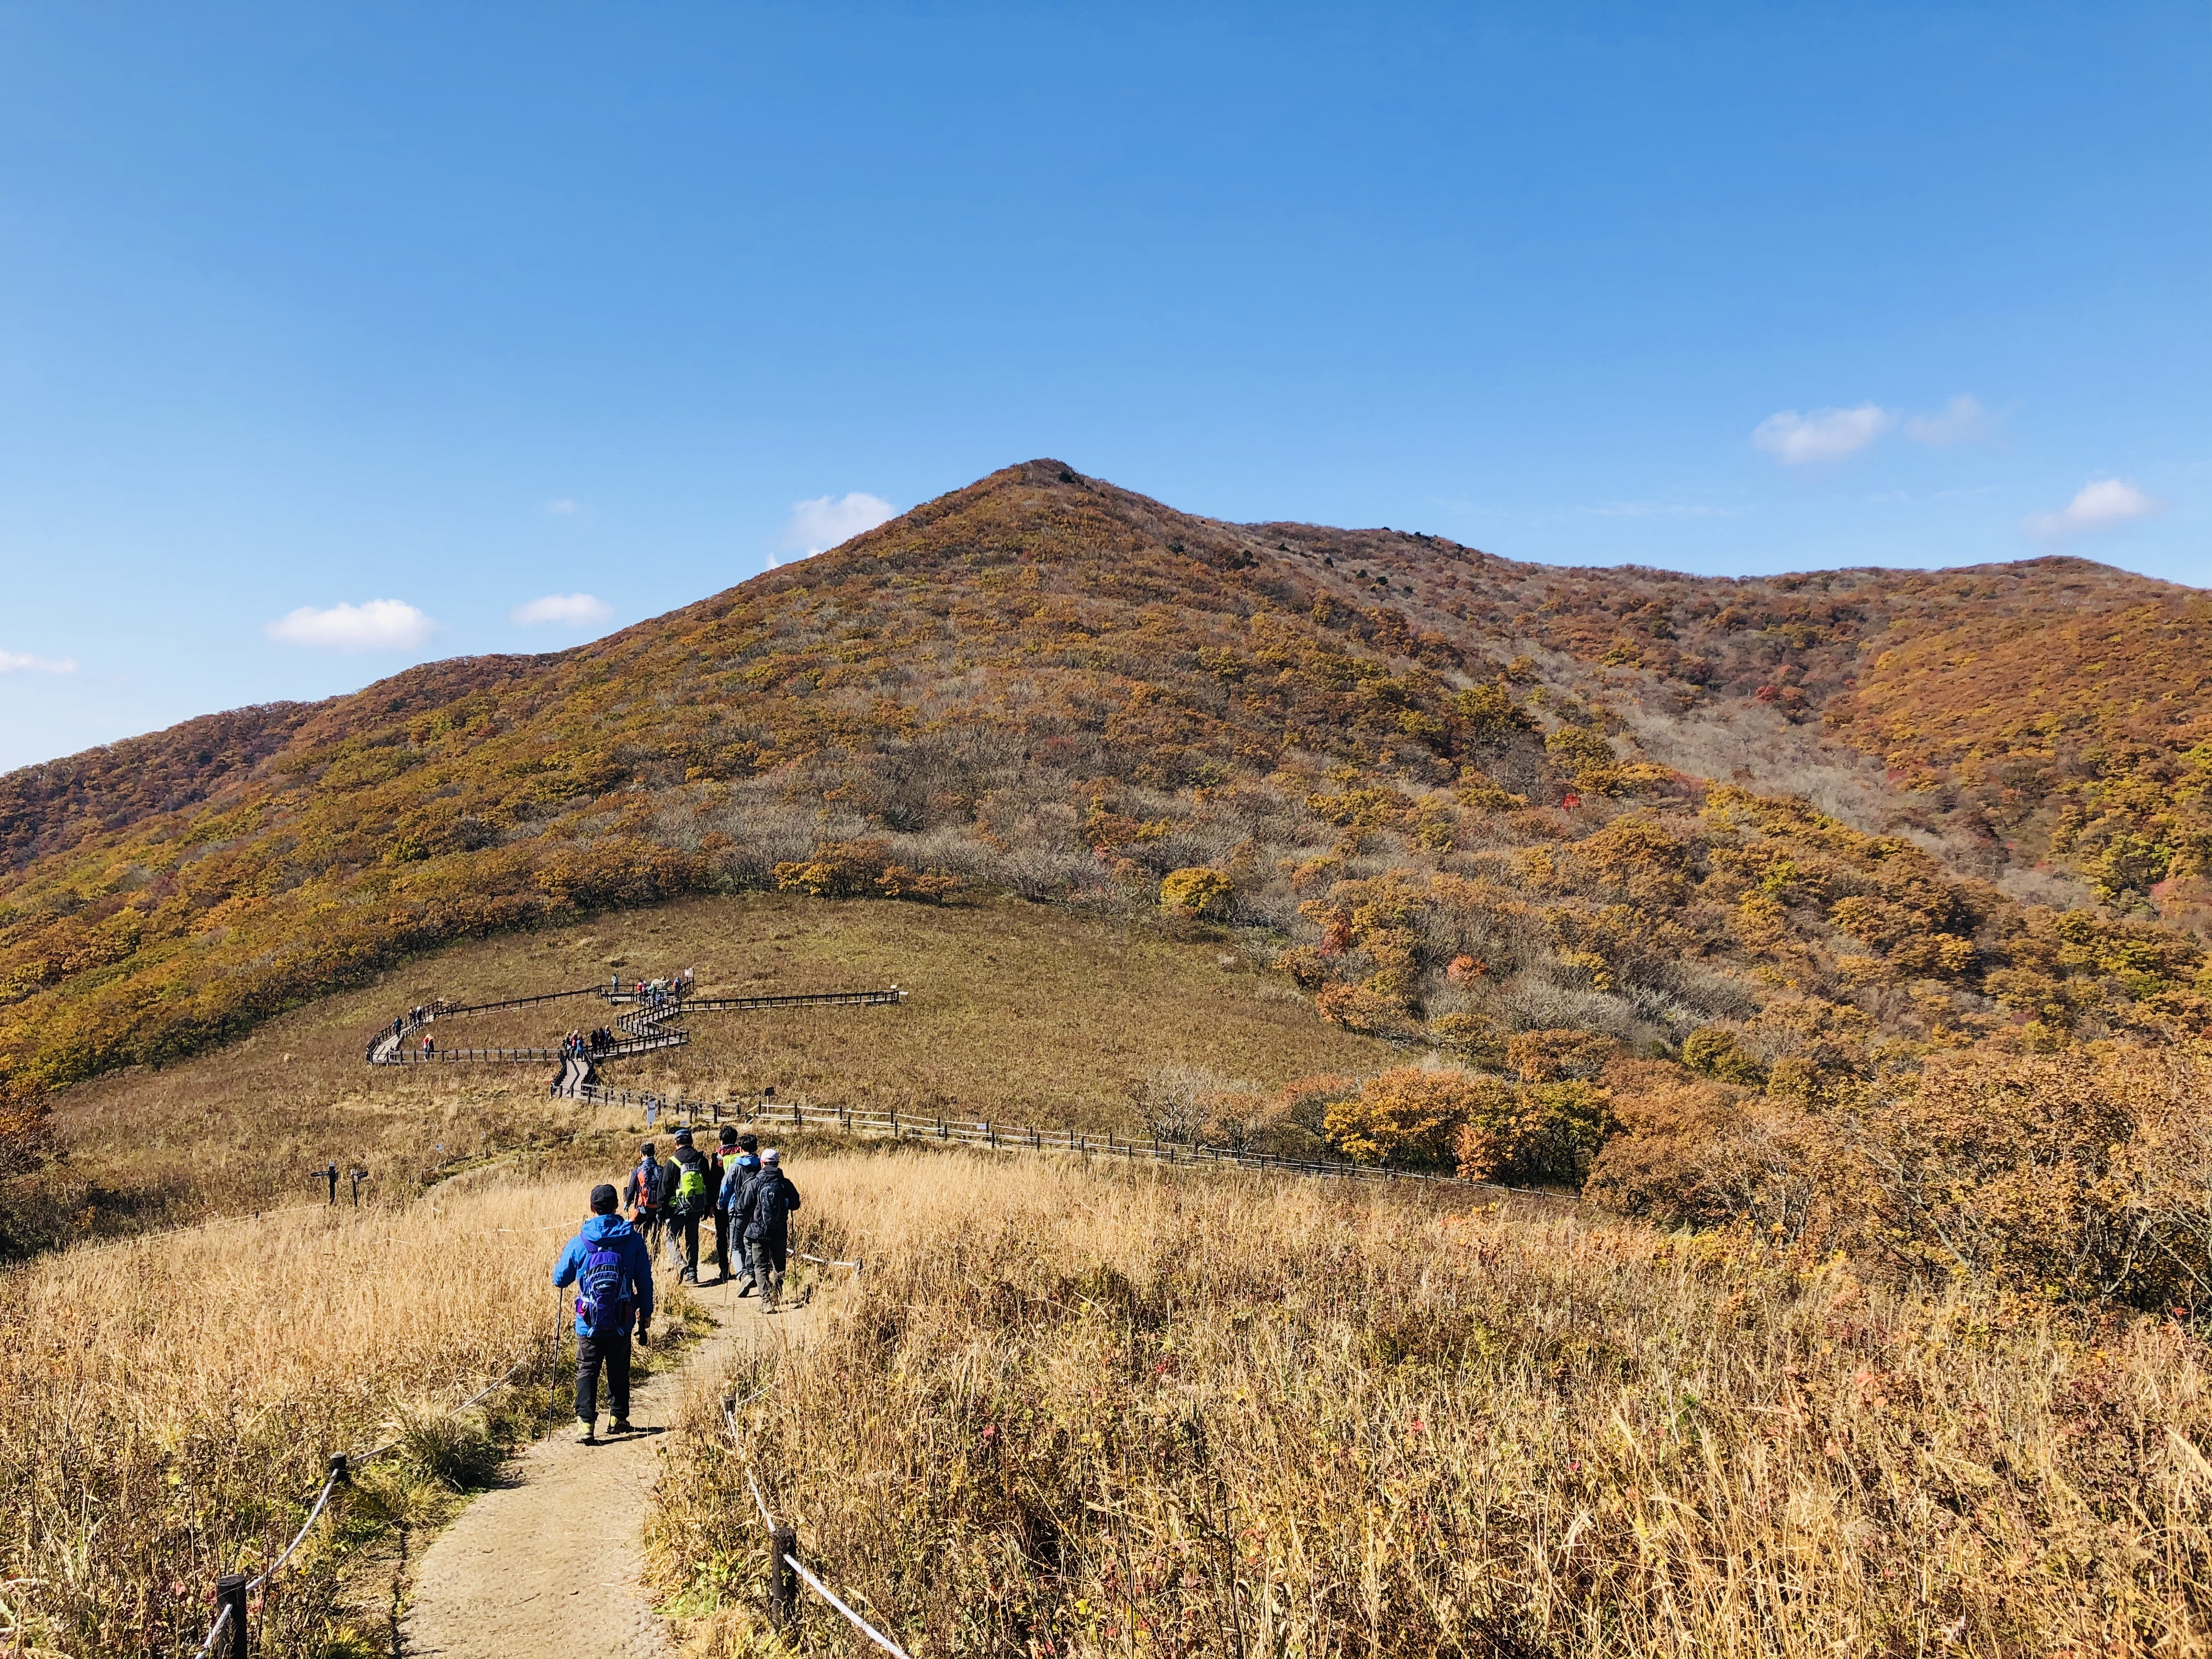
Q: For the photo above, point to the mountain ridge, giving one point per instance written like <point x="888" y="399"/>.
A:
<point x="1422" y="772"/>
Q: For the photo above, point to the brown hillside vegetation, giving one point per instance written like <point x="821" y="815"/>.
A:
<point x="1079" y="1409"/>
<point x="1400" y="768"/>
<point x="1080" y="1412"/>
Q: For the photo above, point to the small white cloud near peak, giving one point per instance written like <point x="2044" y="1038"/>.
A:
<point x="373" y="625"/>
<point x="1961" y="421"/>
<point x="816" y="526"/>
<point x="2101" y="504"/>
<point x="22" y="662"/>
<point x="565" y="610"/>
<point x="1826" y="434"/>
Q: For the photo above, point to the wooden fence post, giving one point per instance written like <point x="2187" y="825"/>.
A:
<point x="230" y="1592"/>
<point x="783" y="1582"/>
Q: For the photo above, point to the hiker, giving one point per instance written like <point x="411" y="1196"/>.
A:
<point x="612" y="1271"/>
<point x="725" y="1159"/>
<point x="739" y="1173"/>
<point x="690" y="1195"/>
<point x="642" y="1193"/>
<point x="765" y="1221"/>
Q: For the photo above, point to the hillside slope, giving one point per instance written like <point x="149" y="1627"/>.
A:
<point x="1427" y="770"/>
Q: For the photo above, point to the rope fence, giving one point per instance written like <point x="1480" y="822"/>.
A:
<point x="232" y="1590"/>
<point x="783" y="1555"/>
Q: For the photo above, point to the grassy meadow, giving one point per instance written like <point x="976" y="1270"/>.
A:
<point x="1073" y="1409"/>
<point x="168" y="1403"/>
<point x="1070" y="1409"/>
<point x="1018" y="1012"/>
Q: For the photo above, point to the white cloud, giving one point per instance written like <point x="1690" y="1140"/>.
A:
<point x="375" y="625"/>
<point x="1826" y="434"/>
<point x="1961" y="421"/>
<point x="568" y="610"/>
<point x="2101" y="504"/>
<point x="564" y="507"/>
<point x="22" y="662"/>
<point x="825" y="521"/>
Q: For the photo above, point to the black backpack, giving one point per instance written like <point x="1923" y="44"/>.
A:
<point x="772" y="1201"/>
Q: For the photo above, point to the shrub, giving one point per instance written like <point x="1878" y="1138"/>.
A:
<point x="839" y="869"/>
<point x="862" y="869"/>
<point x="1692" y="1152"/>
<point x="1713" y="1051"/>
<point x="1406" y="1115"/>
<point x="1559" y="1056"/>
<point x="1540" y="1133"/>
<point x="1199" y="889"/>
<point x="1490" y="715"/>
<point x="1470" y="1035"/>
<point x="2084" y="1175"/>
<point x="1364" y="1008"/>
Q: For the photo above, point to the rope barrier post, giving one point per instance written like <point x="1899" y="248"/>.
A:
<point x="230" y="1599"/>
<point x="783" y="1579"/>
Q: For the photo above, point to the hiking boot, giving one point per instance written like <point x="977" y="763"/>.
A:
<point x="620" y="1425"/>
<point x="745" y="1289"/>
<point x="585" y="1438"/>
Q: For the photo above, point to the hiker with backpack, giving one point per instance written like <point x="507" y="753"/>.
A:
<point x="763" y="1220"/>
<point x="691" y="1195"/>
<point x="612" y="1271"/>
<point x="740" y="1167"/>
<point x="643" y="1194"/>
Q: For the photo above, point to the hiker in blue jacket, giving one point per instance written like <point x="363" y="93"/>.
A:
<point x="612" y="1271"/>
<point x="763" y="1218"/>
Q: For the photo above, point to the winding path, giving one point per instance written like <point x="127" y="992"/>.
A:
<point x="551" y="1562"/>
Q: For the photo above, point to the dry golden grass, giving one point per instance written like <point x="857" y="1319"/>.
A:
<point x="1074" y="1410"/>
<point x="166" y="1404"/>
<point x="1018" y="1012"/>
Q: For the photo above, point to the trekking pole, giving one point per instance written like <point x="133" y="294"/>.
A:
<point x="560" y="1317"/>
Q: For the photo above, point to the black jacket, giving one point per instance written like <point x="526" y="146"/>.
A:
<point x="763" y="1211"/>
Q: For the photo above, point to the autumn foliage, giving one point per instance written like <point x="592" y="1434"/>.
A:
<point x="1427" y="778"/>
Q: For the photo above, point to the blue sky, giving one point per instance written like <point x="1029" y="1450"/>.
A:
<point x="332" y="337"/>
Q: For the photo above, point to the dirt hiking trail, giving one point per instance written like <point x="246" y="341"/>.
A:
<point x="550" y="1564"/>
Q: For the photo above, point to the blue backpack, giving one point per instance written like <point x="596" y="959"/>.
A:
<point x="600" y="1303"/>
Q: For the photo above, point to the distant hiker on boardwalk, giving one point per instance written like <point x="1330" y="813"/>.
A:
<point x="691" y="1194"/>
<point x="738" y="1174"/>
<point x="612" y="1271"/>
<point x="643" y="1194"/>
<point x="764" y="1222"/>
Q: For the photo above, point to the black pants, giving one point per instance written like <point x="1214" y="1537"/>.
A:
<point x="686" y="1231"/>
<point x="767" y="1256"/>
<point x="722" y="1241"/>
<point x="613" y="1351"/>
